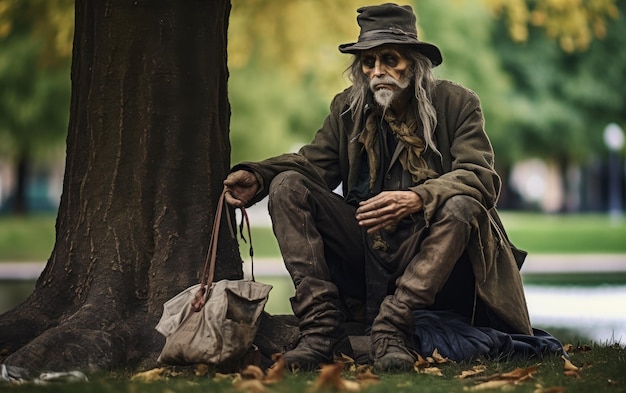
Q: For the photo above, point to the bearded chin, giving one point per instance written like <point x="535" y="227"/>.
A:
<point x="384" y="97"/>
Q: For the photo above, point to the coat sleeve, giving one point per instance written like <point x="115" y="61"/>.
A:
<point x="467" y="154"/>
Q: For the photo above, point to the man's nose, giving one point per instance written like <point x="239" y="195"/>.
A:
<point x="379" y="69"/>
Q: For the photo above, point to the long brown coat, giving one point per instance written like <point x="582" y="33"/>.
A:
<point x="465" y="167"/>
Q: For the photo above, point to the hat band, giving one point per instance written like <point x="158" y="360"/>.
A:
<point x="375" y="34"/>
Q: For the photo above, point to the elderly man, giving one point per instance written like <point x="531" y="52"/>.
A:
<point x="416" y="227"/>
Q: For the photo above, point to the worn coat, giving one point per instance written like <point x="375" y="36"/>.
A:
<point x="465" y="167"/>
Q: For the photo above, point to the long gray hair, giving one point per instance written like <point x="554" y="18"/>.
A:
<point x="423" y="79"/>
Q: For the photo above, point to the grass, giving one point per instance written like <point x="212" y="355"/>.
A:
<point x="602" y="368"/>
<point x="31" y="238"/>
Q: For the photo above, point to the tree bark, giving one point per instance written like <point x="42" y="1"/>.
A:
<point x="147" y="150"/>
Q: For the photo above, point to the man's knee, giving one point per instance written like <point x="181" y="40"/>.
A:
<point x="461" y="207"/>
<point x="285" y="184"/>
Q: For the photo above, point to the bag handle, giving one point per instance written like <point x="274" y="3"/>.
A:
<point x="208" y="272"/>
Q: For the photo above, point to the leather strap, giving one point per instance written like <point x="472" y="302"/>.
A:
<point x="208" y="272"/>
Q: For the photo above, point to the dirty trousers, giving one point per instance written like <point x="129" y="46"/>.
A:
<point x="326" y="253"/>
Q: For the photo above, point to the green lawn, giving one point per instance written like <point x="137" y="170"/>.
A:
<point x="601" y="369"/>
<point x="31" y="238"/>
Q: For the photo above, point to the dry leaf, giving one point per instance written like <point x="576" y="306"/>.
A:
<point x="432" y="371"/>
<point x="252" y="372"/>
<point x="235" y="377"/>
<point x="156" y="374"/>
<point x="420" y="363"/>
<point x="276" y="373"/>
<point x="568" y="365"/>
<point x="498" y="384"/>
<point x="330" y="378"/>
<point x="202" y="370"/>
<point x="554" y="389"/>
<point x="251" y="385"/>
<point x="518" y="374"/>
<point x="366" y="377"/>
<point x="438" y="358"/>
<point x="568" y="348"/>
<point x="476" y="370"/>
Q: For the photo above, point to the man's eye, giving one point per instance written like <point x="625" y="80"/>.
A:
<point x="368" y="62"/>
<point x="390" y="60"/>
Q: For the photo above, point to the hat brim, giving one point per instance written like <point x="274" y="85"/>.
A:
<point x="429" y="50"/>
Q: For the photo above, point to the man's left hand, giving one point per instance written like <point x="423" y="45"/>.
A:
<point x="387" y="209"/>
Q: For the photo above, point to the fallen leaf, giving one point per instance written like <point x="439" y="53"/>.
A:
<point x="476" y="370"/>
<point x="438" y="358"/>
<point x="202" y="370"/>
<point x="330" y="378"/>
<point x="554" y="389"/>
<point x="432" y="371"/>
<point x="420" y="363"/>
<point x="568" y="365"/>
<point x="366" y="377"/>
<point x="276" y="373"/>
<point x="518" y="374"/>
<point x="234" y="377"/>
<point x="156" y="374"/>
<point x="498" y="384"/>
<point x="252" y="372"/>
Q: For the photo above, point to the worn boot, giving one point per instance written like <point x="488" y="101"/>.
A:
<point x="313" y="350"/>
<point x="320" y="320"/>
<point x="392" y="344"/>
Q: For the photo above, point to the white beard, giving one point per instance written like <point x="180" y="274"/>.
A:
<point x="385" y="97"/>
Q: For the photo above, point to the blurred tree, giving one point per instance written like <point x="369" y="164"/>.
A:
<point x="573" y="23"/>
<point x="562" y="101"/>
<point x="34" y="74"/>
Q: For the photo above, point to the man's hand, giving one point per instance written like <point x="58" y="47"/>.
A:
<point x="387" y="209"/>
<point x="241" y="186"/>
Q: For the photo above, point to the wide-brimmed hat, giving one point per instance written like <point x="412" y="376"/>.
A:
<point x="390" y="24"/>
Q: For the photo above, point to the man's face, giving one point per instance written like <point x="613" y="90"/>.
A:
<point x="386" y="69"/>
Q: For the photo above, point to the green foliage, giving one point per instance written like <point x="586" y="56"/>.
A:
<point x="34" y="104"/>
<point x="563" y="101"/>
<point x="272" y="115"/>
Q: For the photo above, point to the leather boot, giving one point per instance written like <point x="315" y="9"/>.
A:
<point x="392" y="344"/>
<point x="313" y="350"/>
<point x="320" y="321"/>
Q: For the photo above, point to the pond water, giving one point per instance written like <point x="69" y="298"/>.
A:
<point x="597" y="312"/>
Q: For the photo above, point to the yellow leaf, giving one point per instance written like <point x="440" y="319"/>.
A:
<point x="252" y="372"/>
<point x="568" y="365"/>
<point x="438" y="358"/>
<point x="330" y="378"/>
<point x="276" y="373"/>
<point x="156" y="374"/>
<point x="488" y="385"/>
<point x="202" y="370"/>
<point x="420" y="363"/>
<point x="432" y="371"/>
<point x="473" y="372"/>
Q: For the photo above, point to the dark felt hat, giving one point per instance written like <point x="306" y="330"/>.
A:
<point x="389" y="24"/>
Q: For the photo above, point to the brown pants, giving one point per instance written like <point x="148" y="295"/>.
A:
<point x="330" y="257"/>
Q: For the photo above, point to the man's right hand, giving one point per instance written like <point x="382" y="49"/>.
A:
<point x="241" y="186"/>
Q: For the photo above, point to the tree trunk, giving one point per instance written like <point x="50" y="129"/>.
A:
<point x="147" y="150"/>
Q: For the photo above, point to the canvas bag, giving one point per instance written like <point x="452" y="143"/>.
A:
<point x="215" y="326"/>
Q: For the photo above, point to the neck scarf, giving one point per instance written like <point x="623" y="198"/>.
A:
<point x="406" y="130"/>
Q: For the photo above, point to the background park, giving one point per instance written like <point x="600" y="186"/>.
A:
<point x="550" y="75"/>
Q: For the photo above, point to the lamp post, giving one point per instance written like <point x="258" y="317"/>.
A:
<point x="614" y="140"/>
